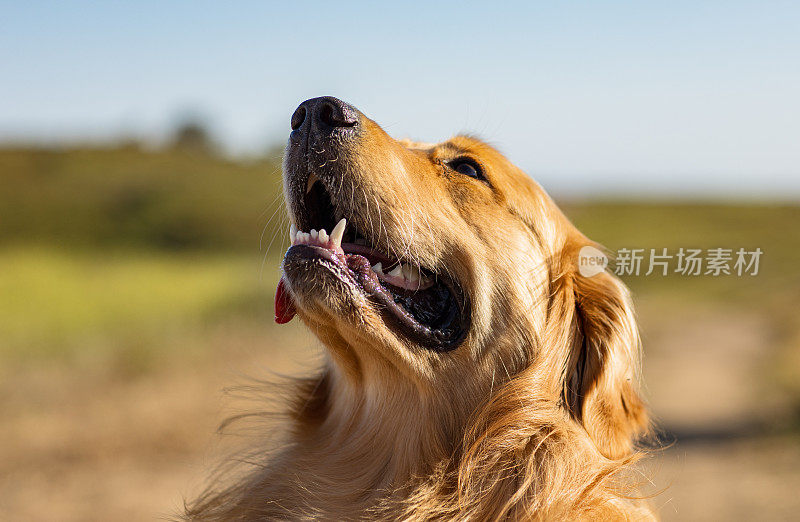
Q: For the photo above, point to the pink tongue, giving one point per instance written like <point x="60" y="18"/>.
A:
<point x="284" y="306"/>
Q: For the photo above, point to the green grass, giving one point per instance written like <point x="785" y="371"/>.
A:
<point x="58" y="304"/>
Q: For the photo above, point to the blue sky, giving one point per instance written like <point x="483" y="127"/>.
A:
<point x="686" y="98"/>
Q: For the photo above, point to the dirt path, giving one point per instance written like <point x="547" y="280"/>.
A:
<point x="704" y="373"/>
<point x="91" y="446"/>
<point x="703" y="368"/>
<point x="747" y="479"/>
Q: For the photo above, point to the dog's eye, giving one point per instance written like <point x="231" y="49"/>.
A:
<point x="467" y="167"/>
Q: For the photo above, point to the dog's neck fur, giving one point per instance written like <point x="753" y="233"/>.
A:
<point x="356" y="424"/>
<point x="361" y="450"/>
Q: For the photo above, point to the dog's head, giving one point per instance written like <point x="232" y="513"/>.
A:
<point x="446" y="268"/>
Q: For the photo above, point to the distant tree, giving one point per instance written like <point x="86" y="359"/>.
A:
<point x="193" y="136"/>
<point x="130" y="143"/>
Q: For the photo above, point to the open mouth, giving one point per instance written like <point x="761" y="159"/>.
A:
<point x="417" y="302"/>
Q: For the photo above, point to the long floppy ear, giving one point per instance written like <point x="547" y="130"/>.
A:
<point x="601" y="378"/>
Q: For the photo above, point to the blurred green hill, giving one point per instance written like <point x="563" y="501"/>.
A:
<point x="181" y="196"/>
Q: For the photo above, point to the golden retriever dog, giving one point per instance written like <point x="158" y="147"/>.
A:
<point x="471" y="373"/>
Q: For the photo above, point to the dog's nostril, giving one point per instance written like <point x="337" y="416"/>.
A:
<point x="298" y="117"/>
<point x="326" y="115"/>
<point x="336" y="114"/>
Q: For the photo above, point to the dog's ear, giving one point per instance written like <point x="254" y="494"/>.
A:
<point x="601" y="378"/>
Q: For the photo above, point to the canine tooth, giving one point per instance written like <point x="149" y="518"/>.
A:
<point x="314" y="233"/>
<point x="397" y="271"/>
<point x="312" y="178"/>
<point x="338" y="232"/>
<point x="323" y="236"/>
<point x="378" y="268"/>
<point x="292" y="233"/>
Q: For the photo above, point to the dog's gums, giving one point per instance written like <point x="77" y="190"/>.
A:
<point x="413" y="299"/>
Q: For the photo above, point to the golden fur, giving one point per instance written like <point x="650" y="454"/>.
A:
<point x="533" y="417"/>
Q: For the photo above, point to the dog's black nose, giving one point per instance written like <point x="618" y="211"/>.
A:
<point x="321" y="116"/>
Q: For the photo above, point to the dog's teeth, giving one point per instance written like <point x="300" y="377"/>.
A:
<point x="323" y="236"/>
<point x="292" y="233"/>
<point x="404" y="275"/>
<point x="411" y="273"/>
<point x="337" y="233"/>
<point x="312" y="178"/>
<point x="314" y="233"/>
